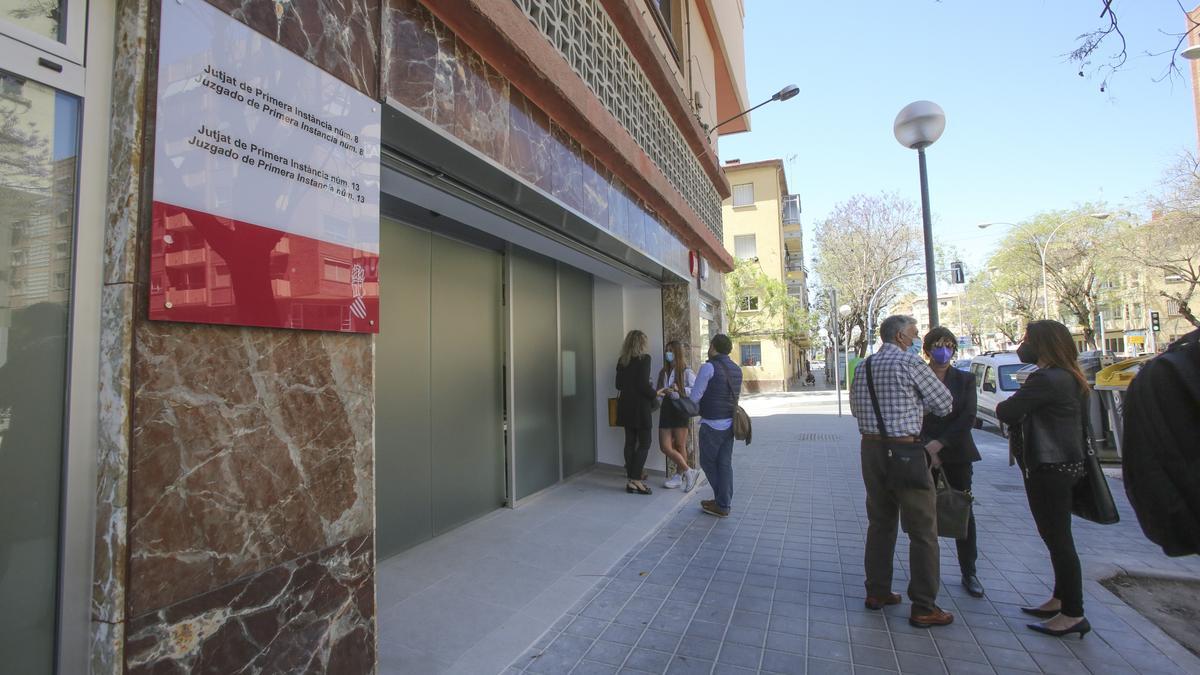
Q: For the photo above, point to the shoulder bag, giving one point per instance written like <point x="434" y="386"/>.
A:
<point x="742" y="429"/>
<point x="1091" y="499"/>
<point x="907" y="463"/>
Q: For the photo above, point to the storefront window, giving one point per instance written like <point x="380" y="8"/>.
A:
<point x="39" y="140"/>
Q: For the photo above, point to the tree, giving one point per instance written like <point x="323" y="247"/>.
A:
<point x="1170" y="242"/>
<point x="1078" y="258"/>
<point x="1088" y="54"/>
<point x="865" y="241"/>
<point x="987" y="310"/>
<point x="758" y="306"/>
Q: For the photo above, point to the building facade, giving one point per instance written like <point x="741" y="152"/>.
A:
<point x="762" y="225"/>
<point x="176" y="494"/>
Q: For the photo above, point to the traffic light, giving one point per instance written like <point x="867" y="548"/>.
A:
<point x="956" y="273"/>
<point x="1154" y="321"/>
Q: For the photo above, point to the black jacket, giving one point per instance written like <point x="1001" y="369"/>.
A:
<point x="1049" y="410"/>
<point x="637" y="395"/>
<point x="1161" y="447"/>
<point x="954" y="430"/>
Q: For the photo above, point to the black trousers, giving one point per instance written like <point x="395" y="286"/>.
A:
<point x="1049" y="495"/>
<point x="959" y="477"/>
<point x="637" y="445"/>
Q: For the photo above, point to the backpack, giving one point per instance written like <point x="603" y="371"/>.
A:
<point x="1160" y="455"/>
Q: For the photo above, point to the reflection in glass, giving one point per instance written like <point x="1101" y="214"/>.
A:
<point x="44" y="17"/>
<point x="38" y="148"/>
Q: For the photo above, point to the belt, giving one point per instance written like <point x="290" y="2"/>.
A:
<point x="880" y="439"/>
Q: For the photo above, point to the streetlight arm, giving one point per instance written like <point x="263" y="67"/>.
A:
<point x="744" y="112"/>
<point x="875" y="296"/>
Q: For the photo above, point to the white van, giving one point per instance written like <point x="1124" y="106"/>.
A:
<point x="995" y="380"/>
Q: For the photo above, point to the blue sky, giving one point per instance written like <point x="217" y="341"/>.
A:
<point x="1024" y="132"/>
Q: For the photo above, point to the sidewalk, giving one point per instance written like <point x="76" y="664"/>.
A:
<point x="777" y="587"/>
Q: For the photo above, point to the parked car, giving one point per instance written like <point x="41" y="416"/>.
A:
<point x="996" y="380"/>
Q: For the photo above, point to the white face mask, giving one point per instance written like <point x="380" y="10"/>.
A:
<point x="670" y="357"/>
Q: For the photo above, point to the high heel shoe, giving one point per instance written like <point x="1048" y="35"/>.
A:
<point x="1083" y="628"/>
<point x="1040" y="613"/>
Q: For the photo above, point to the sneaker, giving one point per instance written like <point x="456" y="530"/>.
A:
<point x="713" y="510"/>
<point x="690" y="478"/>
<point x="674" y="482"/>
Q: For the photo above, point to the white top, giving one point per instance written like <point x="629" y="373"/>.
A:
<point x="689" y="379"/>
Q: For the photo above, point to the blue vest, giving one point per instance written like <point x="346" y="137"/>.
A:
<point x="721" y="395"/>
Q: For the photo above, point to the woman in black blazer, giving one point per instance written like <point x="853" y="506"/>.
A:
<point x="950" y="442"/>
<point x="1048" y="411"/>
<point x="634" y="407"/>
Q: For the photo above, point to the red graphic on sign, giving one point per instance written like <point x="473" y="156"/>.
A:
<point x="209" y="269"/>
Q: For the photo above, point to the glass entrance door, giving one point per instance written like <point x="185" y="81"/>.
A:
<point x="39" y="148"/>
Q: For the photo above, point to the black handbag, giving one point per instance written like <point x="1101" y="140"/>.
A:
<point x="684" y="406"/>
<point x="1091" y="499"/>
<point x="907" y="463"/>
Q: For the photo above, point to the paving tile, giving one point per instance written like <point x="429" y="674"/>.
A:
<point x="826" y="667"/>
<point x="783" y="663"/>
<point x="611" y="653"/>
<point x="647" y="660"/>
<point x="920" y="664"/>
<point x="875" y="658"/>
<point x="828" y="649"/>
<point x="743" y="656"/>
<point x="682" y="665"/>
<point x="745" y="635"/>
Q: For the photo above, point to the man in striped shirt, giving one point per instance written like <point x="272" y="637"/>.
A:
<point x="906" y="389"/>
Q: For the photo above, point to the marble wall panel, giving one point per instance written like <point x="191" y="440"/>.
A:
<point x="410" y="55"/>
<point x="314" y="614"/>
<point x="481" y="105"/>
<point x="340" y="36"/>
<point x="595" y="191"/>
<point x="252" y="447"/>
<point x="566" y="162"/>
<point x="681" y="321"/>
<point x="529" y="142"/>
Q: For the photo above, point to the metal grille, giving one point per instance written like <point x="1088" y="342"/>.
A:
<point x="588" y="39"/>
<point x="817" y="438"/>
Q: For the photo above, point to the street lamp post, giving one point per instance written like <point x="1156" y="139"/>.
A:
<point x="919" y="125"/>
<point x="1044" y="247"/>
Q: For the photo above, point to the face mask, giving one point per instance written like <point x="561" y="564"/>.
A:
<point x="670" y="356"/>
<point x="1027" y="353"/>
<point x="941" y="355"/>
<point x="914" y="348"/>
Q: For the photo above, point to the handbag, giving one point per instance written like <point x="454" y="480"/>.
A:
<point x="684" y="406"/>
<point x="953" y="510"/>
<point x="907" y="463"/>
<point x="612" y="411"/>
<point x="1091" y="499"/>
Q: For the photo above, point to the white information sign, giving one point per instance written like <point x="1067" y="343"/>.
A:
<point x="250" y="132"/>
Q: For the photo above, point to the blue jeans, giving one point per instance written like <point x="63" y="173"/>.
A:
<point x="716" y="458"/>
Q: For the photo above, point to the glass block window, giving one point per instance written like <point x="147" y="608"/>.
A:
<point x="745" y="246"/>
<point x="589" y="40"/>
<point x="743" y="194"/>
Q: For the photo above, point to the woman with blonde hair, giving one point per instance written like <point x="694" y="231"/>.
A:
<point x="675" y="382"/>
<point x="635" y="407"/>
